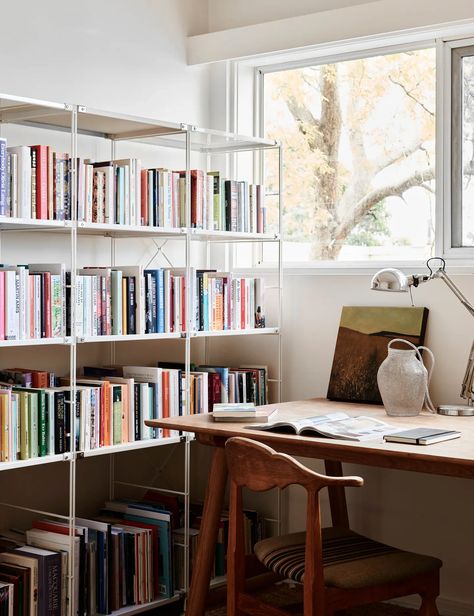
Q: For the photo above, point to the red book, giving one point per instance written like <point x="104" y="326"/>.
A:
<point x="242" y="303"/>
<point x="214" y="389"/>
<point x="165" y="389"/>
<point x="144" y="197"/>
<point x="2" y="305"/>
<point x="41" y="181"/>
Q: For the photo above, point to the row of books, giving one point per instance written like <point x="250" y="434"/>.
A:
<point x="123" y="300"/>
<point x="32" y="301"/>
<point x="131" y="553"/>
<point x="131" y="300"/>
<point x="35" y="183"/>
<point x="122" y="557"/>
<point x="221" y="204"/>
<point x="111" y="405"/>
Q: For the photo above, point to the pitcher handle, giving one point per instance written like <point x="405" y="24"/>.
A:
<point x="428" y="402"/>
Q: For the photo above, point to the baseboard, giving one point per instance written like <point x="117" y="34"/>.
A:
<point x="446" y="607"/>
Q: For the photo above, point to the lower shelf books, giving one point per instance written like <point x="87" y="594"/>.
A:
<point x="111" y="405"/>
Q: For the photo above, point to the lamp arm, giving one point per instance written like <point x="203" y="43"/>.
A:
<point x="468" y="382"/>
<point x="457" y="292"/>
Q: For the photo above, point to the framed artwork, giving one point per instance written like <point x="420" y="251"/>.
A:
<point x="361" y="346"/>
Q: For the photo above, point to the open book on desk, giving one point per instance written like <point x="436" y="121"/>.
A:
<point x="333" y="425"/>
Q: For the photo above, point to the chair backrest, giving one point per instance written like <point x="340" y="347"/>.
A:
<point x="260" y="468"/>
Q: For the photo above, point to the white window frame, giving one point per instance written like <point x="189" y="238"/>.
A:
<point x="443" y="39"/>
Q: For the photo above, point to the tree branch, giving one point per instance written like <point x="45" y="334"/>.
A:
<point x="410" y="95"/>
<point x="307" y="123"/>
<point x="375" y="196"/>
<point x="395" y="156"/>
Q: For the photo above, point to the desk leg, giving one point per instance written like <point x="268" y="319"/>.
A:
<point x="206" y="548"/>
<point x="337" y="496"/>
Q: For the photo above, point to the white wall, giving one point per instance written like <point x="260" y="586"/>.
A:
<point x="113" y="55"/>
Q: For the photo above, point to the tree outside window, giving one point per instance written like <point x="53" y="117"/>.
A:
<point x="359" y="156"/>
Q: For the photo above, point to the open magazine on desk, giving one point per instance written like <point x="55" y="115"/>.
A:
<point x="333" y="425"/>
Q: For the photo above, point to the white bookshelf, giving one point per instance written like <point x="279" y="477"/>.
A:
<point x="121" y="131"/>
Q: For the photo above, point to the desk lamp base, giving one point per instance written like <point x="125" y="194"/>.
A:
<point x="456" y="409"/>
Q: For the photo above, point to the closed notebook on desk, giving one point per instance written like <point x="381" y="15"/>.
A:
<point x="422" y="436"/>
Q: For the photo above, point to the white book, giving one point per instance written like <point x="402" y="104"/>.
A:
<point x="13" y="185"/>
<point x="12" y="314"/>
<point x="23" y="153"/>
<point x="80" y="306"/>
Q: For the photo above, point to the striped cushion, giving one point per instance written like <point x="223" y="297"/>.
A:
<point x="350" y="560"/>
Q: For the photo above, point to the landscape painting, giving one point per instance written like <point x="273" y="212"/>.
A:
<point x="361" y="346"/>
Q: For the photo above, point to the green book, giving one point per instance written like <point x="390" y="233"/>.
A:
<point x="24" y="425"/>
<point x="40" y="404"/>
<point x="33" y="423"/>
<point x="117" y="414"/>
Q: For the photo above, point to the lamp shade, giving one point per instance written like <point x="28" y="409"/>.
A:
<point x="390" y="279"/>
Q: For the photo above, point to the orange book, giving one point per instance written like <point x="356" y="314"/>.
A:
<point x="165" y="391"/>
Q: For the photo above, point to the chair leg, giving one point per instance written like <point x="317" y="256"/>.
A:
<point x="428" y="607"/>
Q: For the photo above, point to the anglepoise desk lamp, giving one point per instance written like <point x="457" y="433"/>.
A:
<point x="395" y="281"/>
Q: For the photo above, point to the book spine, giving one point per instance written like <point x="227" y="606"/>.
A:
<point x="41" y="180"/>
<point x="131" y="309"/>
<point x="42" y="424"/>
<point x="2" y="305"/>
<point x="3" y="177"/>
<point x="33" y="155"/>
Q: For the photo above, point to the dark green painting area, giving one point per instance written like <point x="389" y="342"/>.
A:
<point x="361" y="346"/>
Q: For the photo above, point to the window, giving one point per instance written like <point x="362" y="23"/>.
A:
<point x="462" y="147"/>
<point x="359" y="156"/>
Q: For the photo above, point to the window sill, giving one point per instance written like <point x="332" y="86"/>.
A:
<point x="453" y="267"/>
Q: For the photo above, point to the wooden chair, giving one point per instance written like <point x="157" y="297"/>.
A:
<point x="339" y="569"/>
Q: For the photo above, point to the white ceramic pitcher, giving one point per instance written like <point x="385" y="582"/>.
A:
<point x="403" y="380"/>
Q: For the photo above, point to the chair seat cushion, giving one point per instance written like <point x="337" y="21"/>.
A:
<point x="350" y="560"/>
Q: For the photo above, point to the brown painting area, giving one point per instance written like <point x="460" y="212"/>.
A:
<point x="358" y="354"/>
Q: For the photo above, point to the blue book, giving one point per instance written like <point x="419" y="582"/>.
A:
<point x="160" y="297"/>
<point x="116" y="300"/>
<point x="120" y="195"/>
<point x="3" y="177"/>
<point x="151" y="293"/>
<point x="224" y="374"/>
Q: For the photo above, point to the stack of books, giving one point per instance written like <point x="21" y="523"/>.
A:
<point x="242" y="412"/>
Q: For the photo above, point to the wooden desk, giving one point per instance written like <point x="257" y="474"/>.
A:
<point x="453" y="458"/>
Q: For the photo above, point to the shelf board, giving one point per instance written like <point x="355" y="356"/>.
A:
<point x="32" y="224"/>
<point x="6" y="466"/>
<point x="220" y="580"/>
<point x="237" y="332"/>
<point x="144" y="607"/>
<point x="232" y="236"/>
<point x="35" y="342"/>
<point x="157" y="442"/>
<point x="117" y="231"/>
<point x="130" y="337"/>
